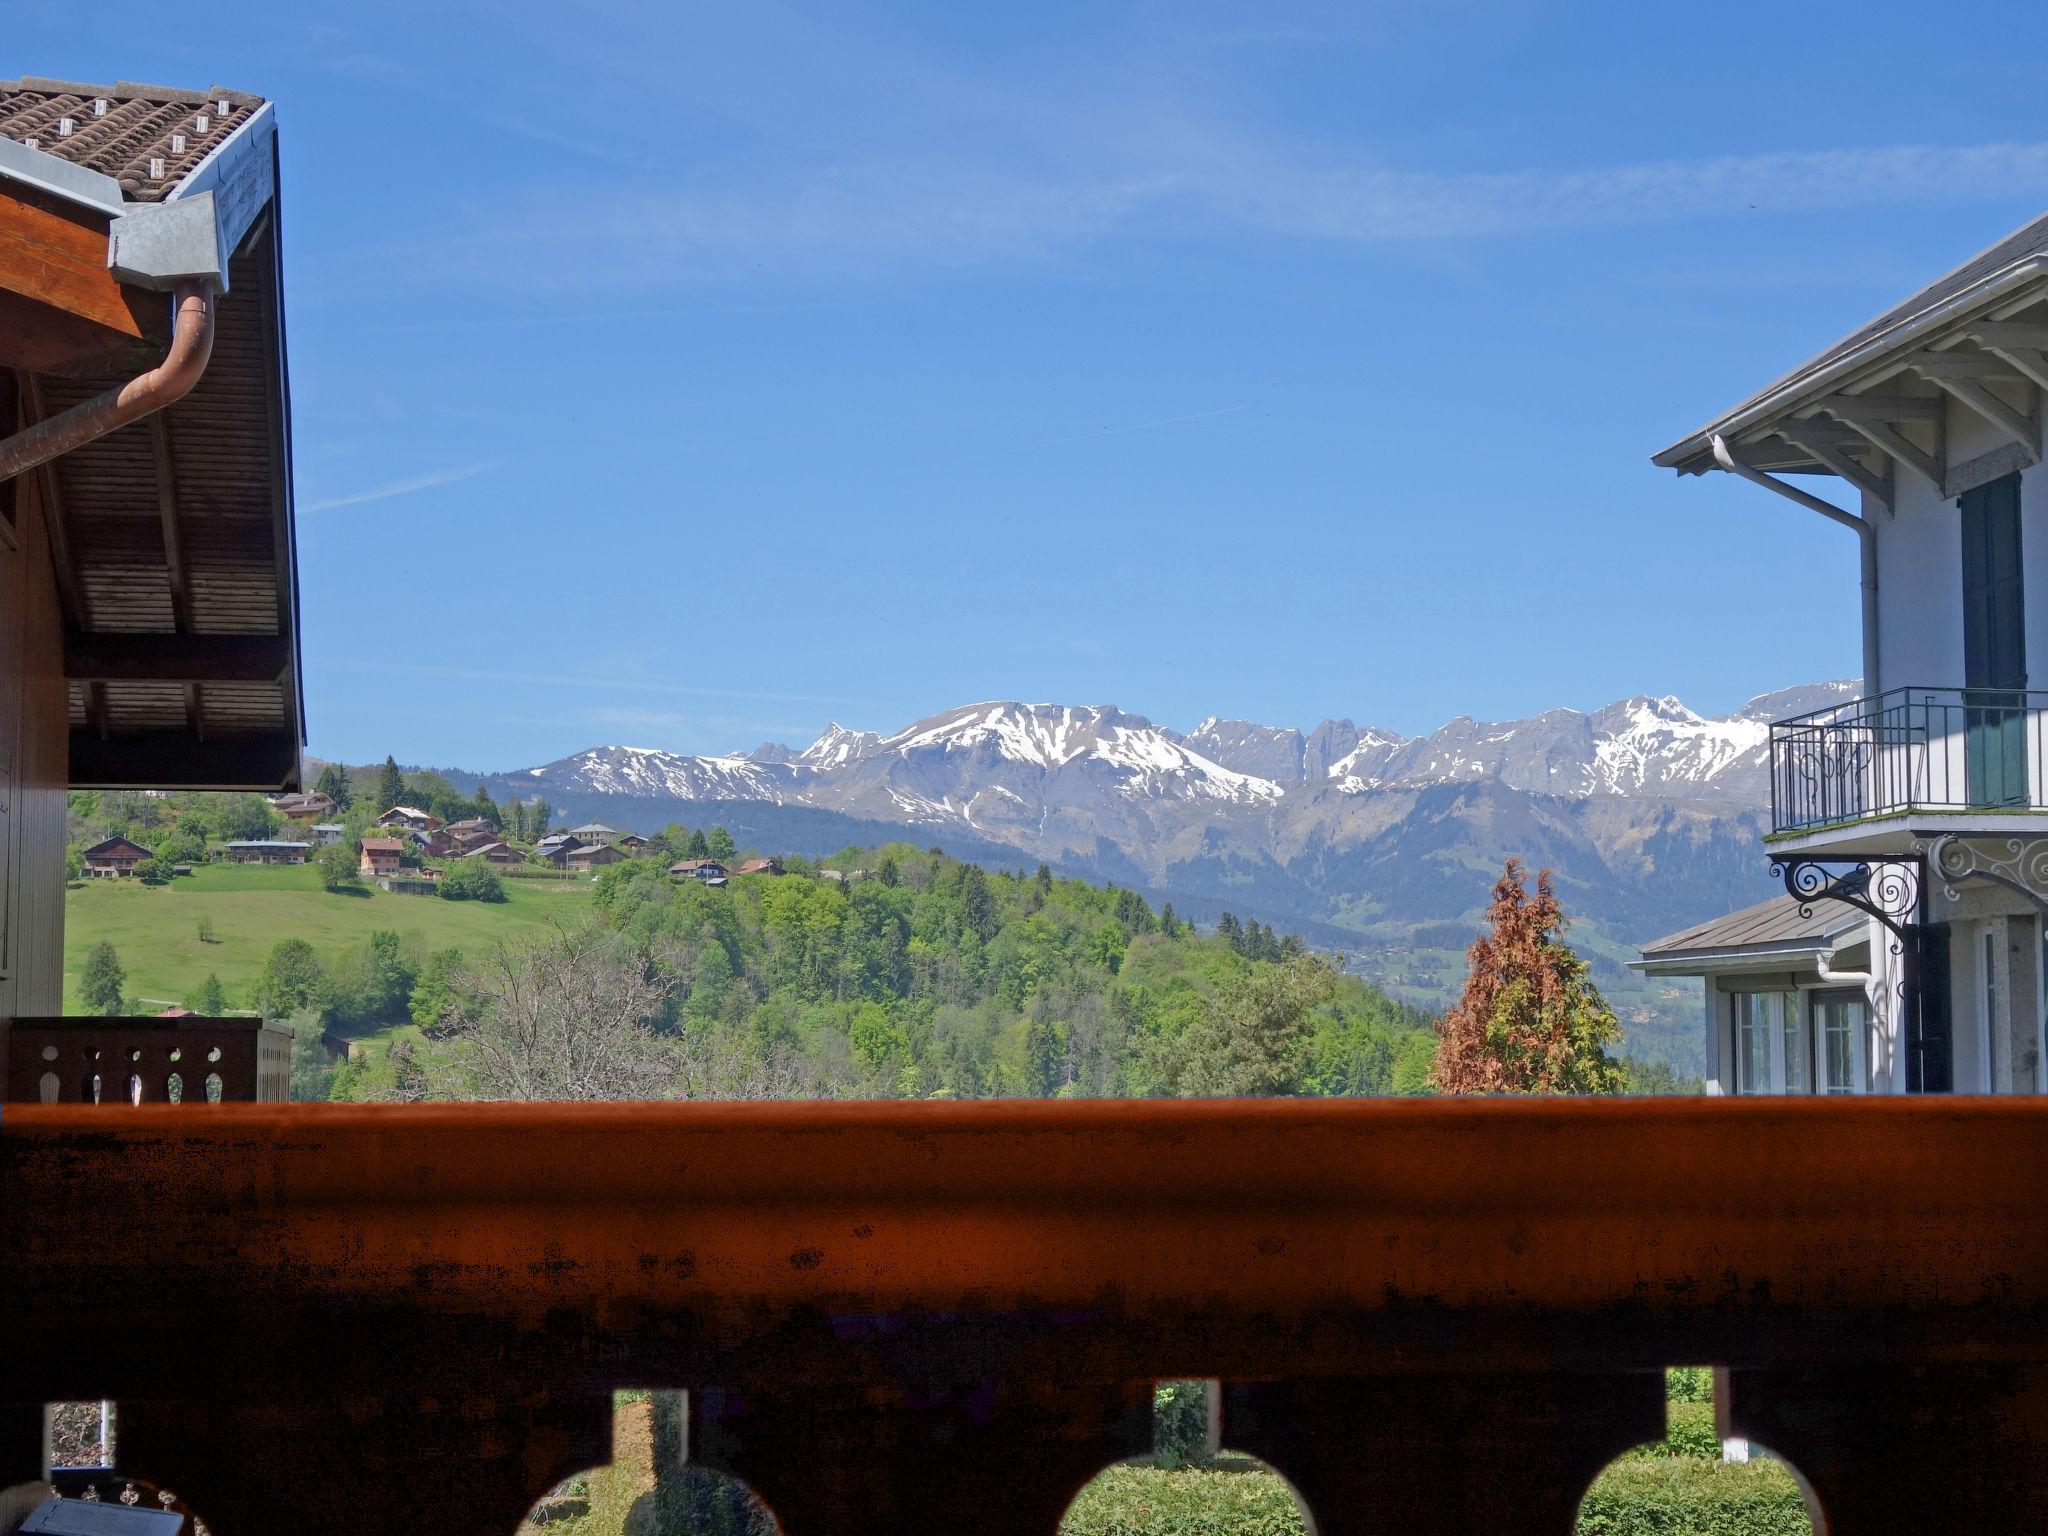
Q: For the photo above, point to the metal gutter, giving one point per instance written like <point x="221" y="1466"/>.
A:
<point x="60" y="178"/>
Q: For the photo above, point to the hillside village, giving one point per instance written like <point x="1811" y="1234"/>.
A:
<point x="407" y="834"/>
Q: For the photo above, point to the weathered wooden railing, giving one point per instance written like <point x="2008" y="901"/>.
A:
<point x="164" y="1059"/>
<point x="1432" y="1317"/>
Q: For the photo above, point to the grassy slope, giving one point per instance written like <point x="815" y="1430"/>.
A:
<point x="155" y="929"/>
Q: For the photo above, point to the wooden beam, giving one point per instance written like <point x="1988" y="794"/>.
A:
<point x="72" y="596"/>
<point x="1883" y="435"/>
<point x="1826" y="442"/>
<point x="178" y="760"/>
<point x="2028" y="361"/>
<point x="157" y="658"/>
<point x="174" y="553"/>
<point x="1987" y="405"/>
<point x="1962" y="365"/>
<point x="56" y="256"/>
<point x="2010" y="333"/>
<point x="1853" y="408"/>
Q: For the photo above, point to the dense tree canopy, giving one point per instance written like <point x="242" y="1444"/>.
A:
<point x="1530" y="1021"/>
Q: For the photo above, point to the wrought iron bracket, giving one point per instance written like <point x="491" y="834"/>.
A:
<point x="1883" y="888"/>
<point x="2021" y="868"/>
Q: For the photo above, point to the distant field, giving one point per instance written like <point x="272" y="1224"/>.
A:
<point x="155" y="929"/>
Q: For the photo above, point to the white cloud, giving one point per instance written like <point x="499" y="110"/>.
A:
<point x="393" y="488"/>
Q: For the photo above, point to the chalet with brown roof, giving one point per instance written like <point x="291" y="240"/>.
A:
<point x="145" y="461"/>
<point x="411" y="817"/>
<point x="710" y="871"/>
<point x="593" y="856"/>
<point x="309" y="808"/>
<point x="382" y="855"/>
<point x="502" y="855"/>
<point x="759" y="867"/>
<point x="633" y="843"/>
<point x="114" y="857"/>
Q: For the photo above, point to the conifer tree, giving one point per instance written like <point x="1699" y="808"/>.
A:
<point x="101" y="980"/>
<point x="487" y="808"/>
<point x="1228" y="931"/>
<point x="1530" y="1020"/>
<point x="699" y="848"/>
<point x="390" y="786"/>
<point x="721" y="844"/>
<point x="212" y="1000"/>
<point x="1168" y="923"/>
<point x="333" y="783"/>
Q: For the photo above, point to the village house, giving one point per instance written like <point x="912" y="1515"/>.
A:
<point x="115" y="856"/>
<point x="307" y="807"/>
<point x="327" y="833"/>
<point x="502" y="855"/>
<point x="381" y="855"/>
<point x="266" y="850"/>
<point x="556" y="848"/>
<point x="633" y="843"/>
<point x="710" y="871"/>
<point x="596" y="832"/>
<point x="410" y="817"/>
<point x="592" y="856"/>
<point x="1909" y="824"/>
<point x="759" y="867"/>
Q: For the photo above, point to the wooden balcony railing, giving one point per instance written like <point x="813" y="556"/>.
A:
<point x="170" y="1059"/>
<point x="944" y="1318"/>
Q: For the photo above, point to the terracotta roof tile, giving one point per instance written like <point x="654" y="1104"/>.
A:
<point x="147" y="137"/>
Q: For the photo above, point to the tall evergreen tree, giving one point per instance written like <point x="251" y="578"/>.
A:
<point x="1530" y="1020"/>
<point x="1168" y="923"/>
<point x="333" y="783"/>
<point x="487" y="808"/>
<point x="721" y="844"/>
<point x="1228" y="931"/>
<point x="211" y="1001"/>
<point x="390" y="785"/>
<point x="700" y="846"/>
<point x="101" y="980"/>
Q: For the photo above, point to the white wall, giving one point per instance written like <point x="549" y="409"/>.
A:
<point x="1920" y="570"/>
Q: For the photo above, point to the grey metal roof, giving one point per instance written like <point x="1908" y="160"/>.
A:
<point x="1766" y="928"/>
<point x="2024" y="247"/>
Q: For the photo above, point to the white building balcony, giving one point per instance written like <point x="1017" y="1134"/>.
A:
<point x="1911" y="763"/>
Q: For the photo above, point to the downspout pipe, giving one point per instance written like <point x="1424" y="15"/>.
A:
<point x="144" y="395"/>
<point x="1866" y="537"/>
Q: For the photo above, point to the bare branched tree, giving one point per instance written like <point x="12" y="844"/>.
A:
<point x="568" y="1017"/>
<point x="714" y="1067"/>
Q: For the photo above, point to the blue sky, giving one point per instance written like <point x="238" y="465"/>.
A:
<point x="685" y="375"/>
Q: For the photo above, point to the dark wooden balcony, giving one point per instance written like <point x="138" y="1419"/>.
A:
<point x="164" y="1059"/>
<point x="1432" y="1317"/>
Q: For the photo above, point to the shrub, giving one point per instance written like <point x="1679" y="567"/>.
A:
<point x="1665" y="1495"/>
<point x="1689" y="1431"/>
<point x="338" y="866"/>
<point x="1180" y="1423"/>
<point x="1689" y="1384"/>
<point x="471" y="880"/>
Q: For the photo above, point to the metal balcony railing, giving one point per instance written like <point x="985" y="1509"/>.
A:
<point x="1432" y="1317"/>
<point x="1911" y="749"/>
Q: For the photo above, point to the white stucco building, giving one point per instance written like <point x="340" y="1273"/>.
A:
<point x="1911" y="824"/>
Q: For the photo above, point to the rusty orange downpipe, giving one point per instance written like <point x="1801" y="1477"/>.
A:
<point x="143" y="395"/>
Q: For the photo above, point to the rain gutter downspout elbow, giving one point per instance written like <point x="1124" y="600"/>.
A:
<point x="1866" y="536"/>
<point x="171" y="380"/>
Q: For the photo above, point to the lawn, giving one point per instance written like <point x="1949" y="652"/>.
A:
<point x="155" y="929"/>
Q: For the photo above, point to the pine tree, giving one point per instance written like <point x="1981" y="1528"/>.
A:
<point x="1168" y="923"/>
<point x="721" y="844"/>
<point x="390" y="786"/>
<point x="1228" y="931"/>
<point x="333" y="783"/>
<point x="1529" y="1020"/>
<point x="700" y="848"/>
<point x="101" y="980"/>
<point x="487" y="808"/>
<point x="212" y="1001"/>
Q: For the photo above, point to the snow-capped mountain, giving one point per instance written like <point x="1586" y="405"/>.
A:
<point x="648" y="772"/>
<point x="1010" y="768"/>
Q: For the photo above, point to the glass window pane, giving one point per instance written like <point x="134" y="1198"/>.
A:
<point x="1752" y="1043"/>
<point x="1794" y="1036"/>
<point x="1840" y="1023"/>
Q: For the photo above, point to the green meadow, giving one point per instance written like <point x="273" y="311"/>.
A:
<point x="155" y="929"/>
